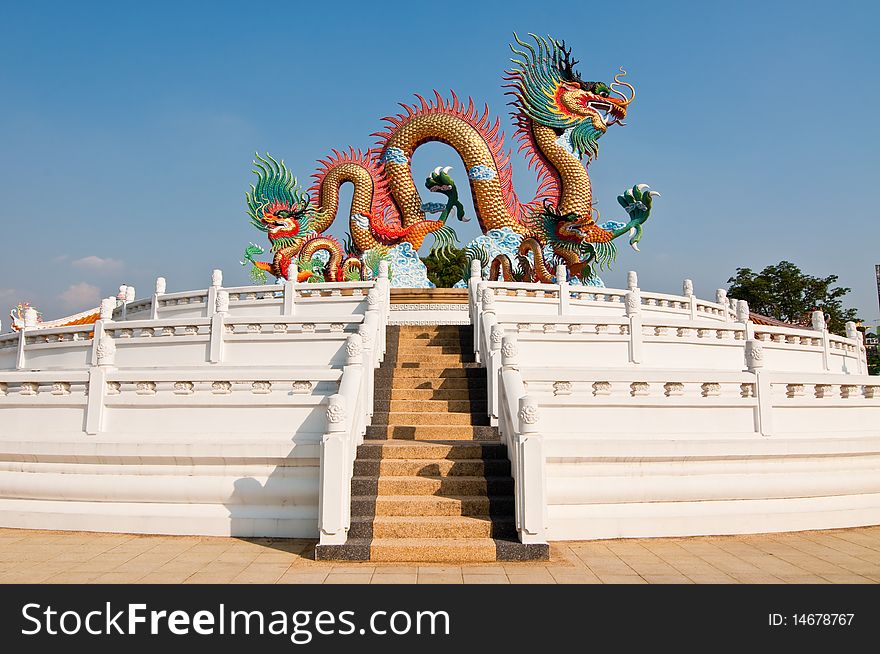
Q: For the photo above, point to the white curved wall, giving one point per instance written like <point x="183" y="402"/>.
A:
<point x="635" y="414"/>
<point x="206" y="418"/>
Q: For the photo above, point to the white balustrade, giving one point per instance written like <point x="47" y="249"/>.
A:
<point x="664" y="415"/>
<point x="207" y="418"/>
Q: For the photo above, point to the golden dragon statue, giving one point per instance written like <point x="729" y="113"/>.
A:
<point x="559" y="118"/>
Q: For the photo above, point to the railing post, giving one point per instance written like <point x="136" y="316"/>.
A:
<point x="106" y="315"/>
<point x="376" y="302"/>
<point x="332" y="509"/>
<point x="30" y="322"/>
<point x="105" y="358"/>
<point x="633" y="305"/>
<point x="218" y="328"/>
<point x="482" y="290"/>
<point x="485" y="319"/>
<point x="687" y="289"/>
<point x="494" y="370"/>
<point x="476" y="276"/>
<point x="126" y="296"/>
<point x="854" y="334"/>
<point x="818" y="320"/>
<point x="562" y="283"/>
<point x="365" y="331"/>
<point x="530" y="478"/>
<point x="211" y="300"/>
<point x="383" y="283"/>
<point x="509" y="352"/>
<point x="160" y="290"/>
<point x="744" y="316"/>
<point x="721" y="298"/>
<point x="288" y="301"/>
<point x="754" y="363"/>
<point x="632" y="280"/>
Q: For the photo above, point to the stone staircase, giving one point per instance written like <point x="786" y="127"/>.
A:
<point x="432" y="480"/>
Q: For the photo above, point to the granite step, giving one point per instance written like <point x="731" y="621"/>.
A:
<point x="430" y="550"/>
<point x="417" y="382"/>
<point x="430" y="406"/>
<point x="447" y="344"/>
<point x="431" y="527"/>
<point x="419" y="418"/>
<point x="474" y="395"/>
<point x="395" y="344"/>
<point x="432" y="482"/>
<point x="453" y="486"/>
<point x="436" y="467"/>
<point x="432" y="432"/>
<point x="432" y="505"/>
<point x="444" y="346"/>
<point x="470" y="371"/>
<point x="428" y="359"/>
<point x="421" y="450"/>
<point x="426" y="331"/>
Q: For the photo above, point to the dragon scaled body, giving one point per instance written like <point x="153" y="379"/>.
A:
<point x="559" y="118"/>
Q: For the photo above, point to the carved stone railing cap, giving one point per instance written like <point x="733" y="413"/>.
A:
<point x="354" y="346"/>
<point x="687" y="287"/>
<point x="632" y="280"/>
<point x="476" y="269"/>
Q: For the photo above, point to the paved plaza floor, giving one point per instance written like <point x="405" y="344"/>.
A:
<point x="833" y="556"/>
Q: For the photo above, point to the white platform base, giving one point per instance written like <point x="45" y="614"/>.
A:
<point x="658" y="519"/>
<point x="170" y="519"/>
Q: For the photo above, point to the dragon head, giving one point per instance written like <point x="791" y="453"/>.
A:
<point x="561" y="229"/>
<point x="277" y="206"/>
<point x="283" y="219"/>
<point x="550" y="92"/>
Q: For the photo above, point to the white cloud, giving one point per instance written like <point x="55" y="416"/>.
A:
<point x="92" y="262"/>
<point x="81" y="296"/>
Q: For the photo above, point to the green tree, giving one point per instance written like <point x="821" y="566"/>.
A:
<point x="874" y="361"/>
<point x="786" y="293"/>
<point x="447" y="269"/>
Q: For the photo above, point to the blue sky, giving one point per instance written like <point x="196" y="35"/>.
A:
<point x="127" y="130"/>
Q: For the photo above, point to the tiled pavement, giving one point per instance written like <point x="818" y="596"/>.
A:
<point x="835" y="556"/>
